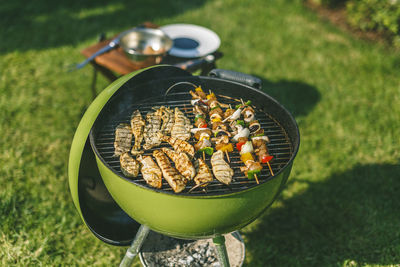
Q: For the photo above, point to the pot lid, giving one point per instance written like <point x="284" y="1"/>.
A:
<point x="98" y="210"/>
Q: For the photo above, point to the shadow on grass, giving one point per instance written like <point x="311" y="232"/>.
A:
<point x="351" y="216"/>
<point x="298" y="97"/>
<point x="28" y="25"/>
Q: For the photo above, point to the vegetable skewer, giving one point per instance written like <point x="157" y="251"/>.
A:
<point x="251" y="168"/>
<point x="220" y="129"/>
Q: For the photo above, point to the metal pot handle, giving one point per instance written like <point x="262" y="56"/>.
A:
<point x="237" y="77"/>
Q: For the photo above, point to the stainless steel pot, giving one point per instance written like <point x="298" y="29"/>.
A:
<point x="145" y="45"/>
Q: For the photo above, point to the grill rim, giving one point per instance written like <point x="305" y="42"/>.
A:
<point x="203" y="80"/>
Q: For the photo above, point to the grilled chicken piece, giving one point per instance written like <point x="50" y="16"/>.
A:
<point x="137" y="125"/>
<point x="182" y="126"/>
<point x="188" y="125"/>
<point x="153" y="124"/>
<point x="173" y="177"/>
<point x="123" y="139"/>
<point x="260" y="145"/>
<point x="217" y="126"/>
<point x="250" y="165"/>
<point x="168" y="118"/>
<point x="220" y="168"/>
<point x="204" y="174"/>
<point x="200" y="123"/>
<point x="150" y="171"/>
<point x="129" y="165"/>
<point x="223" y="139"/>
<point x="200" y="109"/>
<point x="228" y="112"/>
<point x="178" y="145"/>
<point x="182" y="162"/>
<point x="213" y="102"/>
<point x="200" y="133"/>
<point x="198" y="94"/>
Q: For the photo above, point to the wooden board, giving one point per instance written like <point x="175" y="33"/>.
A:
<point x="115" y="60"/>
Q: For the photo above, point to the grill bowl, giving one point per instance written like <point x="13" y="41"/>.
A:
<point x="187" y="216"/>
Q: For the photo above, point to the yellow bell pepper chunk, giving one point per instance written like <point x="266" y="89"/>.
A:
<point x="198" y="89"/>
<point x="227" y="148"/>
<point x="246" y="156"/>
<point x="217" y="119"/>
<point x="210" y="96"/>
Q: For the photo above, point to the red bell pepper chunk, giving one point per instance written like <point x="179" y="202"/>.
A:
<point x="239" y="145"/>
<point x="266" y="159"/>
<point x="204" y="125"/>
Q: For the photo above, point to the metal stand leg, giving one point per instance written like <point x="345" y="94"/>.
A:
<point x="133" y="250"/>
<point x="222" y="254"/>
<point x="93" y="86"/>
<point x="102" y="37"/>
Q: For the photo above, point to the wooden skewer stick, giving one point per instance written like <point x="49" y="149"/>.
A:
<point x="228" y="97"/>
<point x="198" y="185"/>
<point x="242" y="101"/>
<point x="204" y="156"/>
<point x="255" y="176"/>
<point x="270" y="169"/>
<point x="227" y="156"/>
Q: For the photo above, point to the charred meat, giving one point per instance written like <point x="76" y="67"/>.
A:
<point x="182" y="126"/>
<point x="150" y="171"/>
<point x="178" y="145"/>
<point x="204" y="174"/>
<point x="220" y="168"/>
<point x="129" y="166"/>
<point x="168" y="118"/>
<point x="123" y="139"/>
<point x="153" y="124"/>
<point x="137" y="125"/>
<point x="173" y="177"/>
<point x="182" y="162"/>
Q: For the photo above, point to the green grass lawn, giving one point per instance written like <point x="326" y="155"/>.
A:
<point x="341" y="206"/>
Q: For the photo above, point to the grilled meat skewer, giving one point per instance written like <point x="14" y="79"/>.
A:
<point x="182" y="162"/>
<point x="220" y="168"/>
<point x="150" y="171"/>
<point x="198" y="94"/>
<point x="123" y="139"/>
<point x="129" y="166"/>
<point x="173" y="177"/>
<point x="137" y="125"/>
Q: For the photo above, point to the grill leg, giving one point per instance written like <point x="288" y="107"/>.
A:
<point x="222" y="254"/>
<point x="133" y="250"/>
<point x="102" y="37"/>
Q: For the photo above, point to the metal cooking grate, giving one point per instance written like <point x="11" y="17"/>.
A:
<point x="279" y="146"/>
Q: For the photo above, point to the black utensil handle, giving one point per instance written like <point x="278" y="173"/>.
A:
<point x="191" y="65"/>
<point x="237" y="77"/>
